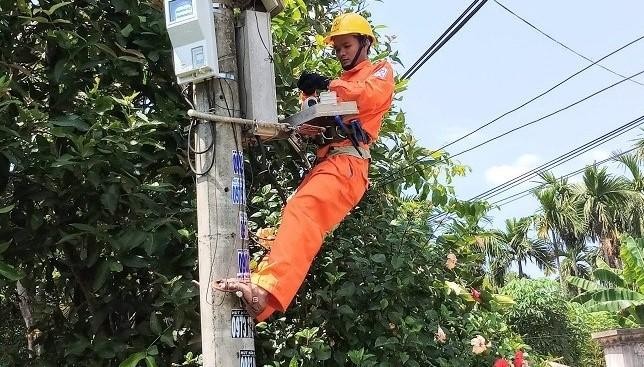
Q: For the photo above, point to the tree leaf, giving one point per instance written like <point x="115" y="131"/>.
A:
<point x="608" y="276"/>
<point x="10" y="272"/>
<point x="4" y="246"/>
<point x="155" y="326"/>
<point x="106" y="49"/>
<point x="127" y="30"/>
<point x="100" y="276"/>
<point x="613" y="299"/>
<point x="150" y="361"/>
<point x="632" y="254"/>
<point x="583" y="284"/>
<point x="133" y="360"/>
<point x="56" y="7"/>
<point x="110" y="198"/>
<point x="131" y="59"/>
<point x="379" y="258"/>
<point x="70" y="121"/>
<point x="7" y="209"/>
<point x="135" y="261"/>
<point x="131" y="239"/>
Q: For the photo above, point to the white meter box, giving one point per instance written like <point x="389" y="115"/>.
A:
<point x="191" y="28"/>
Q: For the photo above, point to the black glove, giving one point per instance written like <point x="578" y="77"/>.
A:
<point x="310" y="82"/>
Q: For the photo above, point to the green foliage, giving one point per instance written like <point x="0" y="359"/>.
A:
<point x="97" y="212"/>
<point x="378" y="294"/>
<point x="632" y="253"/>
<point x="515" y="245"/>
<point x="541" y="316"/>
<point x="614" y="290"/>
<point x="97" y="185"/>
<point x="590" y="353"/>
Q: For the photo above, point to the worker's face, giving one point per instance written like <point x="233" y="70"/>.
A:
<point x="346" y="47"/>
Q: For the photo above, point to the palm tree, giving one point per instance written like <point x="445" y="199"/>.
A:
<point x="605" y="201"/>
<point x="559" y="219"/>
<point x="576" y="262"/>
<point x="632" y="220"/>
<point x="514" y="245"/>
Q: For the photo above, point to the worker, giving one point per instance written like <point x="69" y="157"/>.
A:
<point x="338" y="180"/>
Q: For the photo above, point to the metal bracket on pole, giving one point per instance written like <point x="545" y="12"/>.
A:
<point x="263" y="129"/>
<point x="279" y="127"/>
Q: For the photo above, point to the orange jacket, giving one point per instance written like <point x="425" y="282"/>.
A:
<point x="372" y="87"/>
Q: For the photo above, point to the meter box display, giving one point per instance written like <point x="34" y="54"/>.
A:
<point x="191" y="28"/>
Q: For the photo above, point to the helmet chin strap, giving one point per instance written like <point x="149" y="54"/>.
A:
<point x="355" y="58"/>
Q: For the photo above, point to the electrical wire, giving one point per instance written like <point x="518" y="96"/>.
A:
<point x="513" y="129"/>
<point x="545" y="116"/>
<point x="521" y="194"/>
<point x="472" y="9"/>
<point x="418" y="160"/>
<point x="513" y="13"/>
<point x="261" y="38"/>
<point x="554" y="162"/>
<point x="563" y="158"/>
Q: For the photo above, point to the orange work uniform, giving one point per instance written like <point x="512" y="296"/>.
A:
<point x="330" y="190"/>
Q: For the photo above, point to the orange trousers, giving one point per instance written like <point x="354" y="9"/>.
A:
<point x="326" y="195"/>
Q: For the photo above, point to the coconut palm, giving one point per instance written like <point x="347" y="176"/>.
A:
<point x="577" y="259"/>
<point x="514" y="245"/>
<point x="605" y="201"/>
<point x="559" y="219"/>
<point x="632" y="219"/>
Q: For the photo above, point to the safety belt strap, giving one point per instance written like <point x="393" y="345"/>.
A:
<point x="359" y="152"/>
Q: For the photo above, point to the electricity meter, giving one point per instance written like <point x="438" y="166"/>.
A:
<point x="191" y="28"/>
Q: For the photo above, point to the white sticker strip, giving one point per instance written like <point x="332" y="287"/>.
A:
<point x="241" y="324"/>
<point x="238" y="163"/>
<point x="243" y="226"/>
<point x="246" y="358"/>
<point x="238" y="191"/>
<point x="243" y="265"/>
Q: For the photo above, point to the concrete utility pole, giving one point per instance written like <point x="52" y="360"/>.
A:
<point x="226" y="329"/>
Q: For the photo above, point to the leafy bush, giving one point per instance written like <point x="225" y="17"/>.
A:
<point x="620" y="291"/>
<point x="541" y="315"/>
<point x="378" y="295"/>
<point x="97" y="209"/>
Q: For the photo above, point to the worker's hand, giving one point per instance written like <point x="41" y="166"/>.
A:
<point x="310" y="82"/>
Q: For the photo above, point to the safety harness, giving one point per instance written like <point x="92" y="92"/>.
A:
<point x="340" y="132"/>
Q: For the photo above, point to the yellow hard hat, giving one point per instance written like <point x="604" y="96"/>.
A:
<point x="350" y="23"/>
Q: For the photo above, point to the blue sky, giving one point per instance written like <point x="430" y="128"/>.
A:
<point x="497" y="62"/>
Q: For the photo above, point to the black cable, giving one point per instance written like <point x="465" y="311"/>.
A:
<point x="561" y="43"/>
<point x="514" y="129"/>
<point x="546" y="116"/>
<point x="259" y="32"/>
<point x="555" y="162"/>
<point x="212" y="146"/>
<point x="567" y="175"/>
<point x="193" y="124"/>
<point x="443" y="38"/>
<point x="565" y="157"/>
<point x="511" y="111"/>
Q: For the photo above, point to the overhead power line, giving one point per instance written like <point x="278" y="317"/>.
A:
<point x="394" y="176"/>
<point x="561" y="159"/>
<point x="513" y="13"/>
<point x="546" y="116"/>
<point x="446" y="36"/>
<point x="508" y="185"/>
<point x="524" y="193"/>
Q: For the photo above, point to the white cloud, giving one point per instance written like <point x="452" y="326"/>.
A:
<point x="499" y="174"/>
